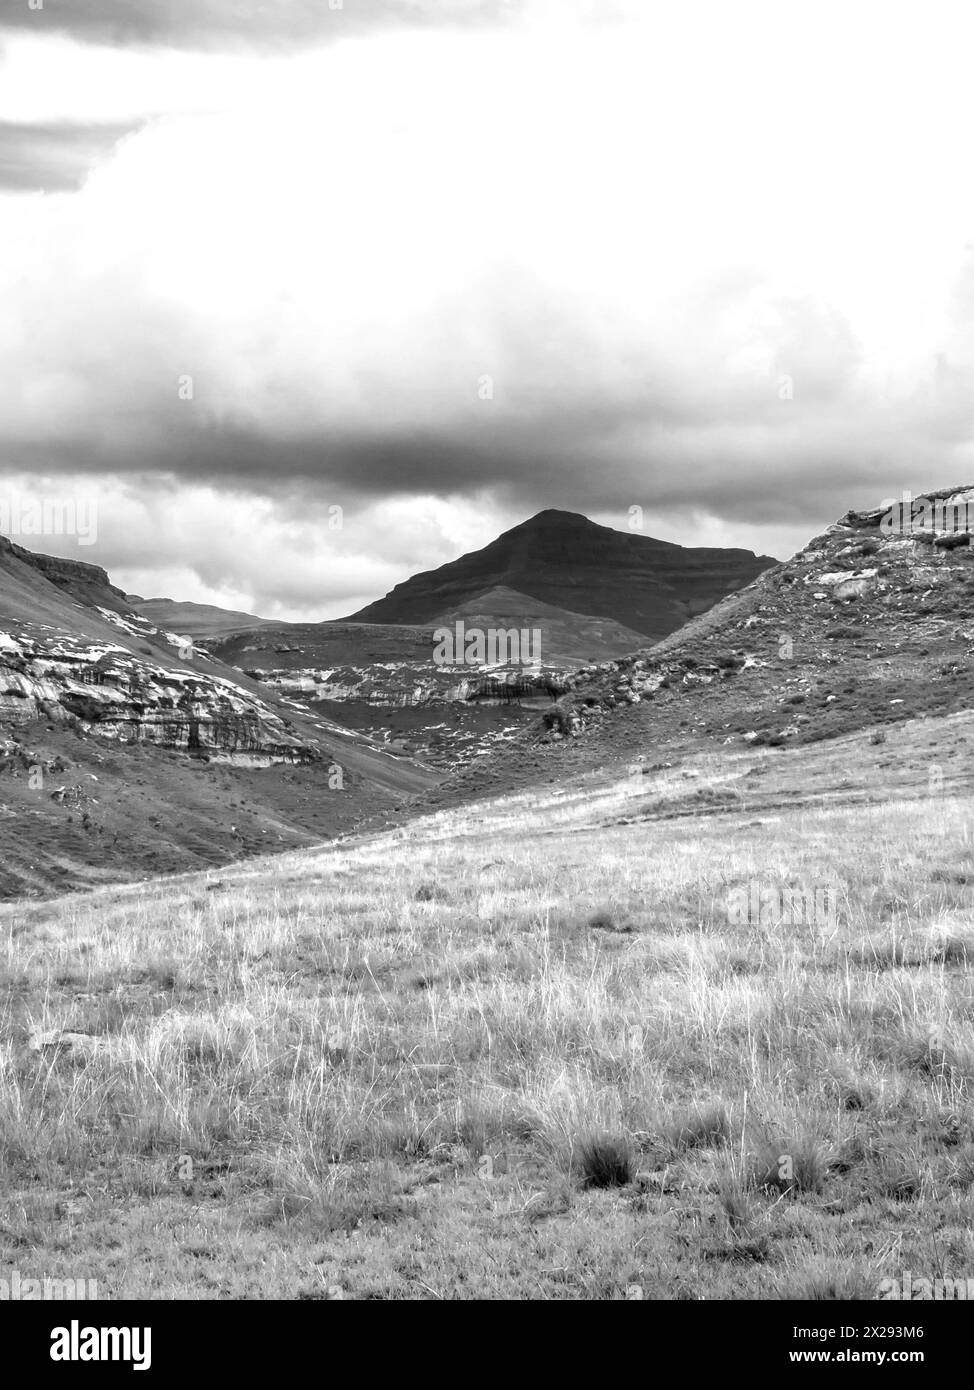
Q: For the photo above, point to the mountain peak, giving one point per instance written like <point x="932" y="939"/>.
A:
<point x="571" y="562"/>
<point x="554" y="516"/>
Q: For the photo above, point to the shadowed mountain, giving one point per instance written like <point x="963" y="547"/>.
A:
<point x="565" y="560"/>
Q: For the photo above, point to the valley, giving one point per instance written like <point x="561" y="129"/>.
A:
<point x="655" y="987"/>
<point x="486" y="674"/>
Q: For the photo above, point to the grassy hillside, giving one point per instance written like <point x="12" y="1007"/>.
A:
<point x="528" y="1049"/>
<point x="566" y="639"/>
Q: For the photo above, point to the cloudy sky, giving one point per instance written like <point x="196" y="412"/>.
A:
<point x="443" y="263"/>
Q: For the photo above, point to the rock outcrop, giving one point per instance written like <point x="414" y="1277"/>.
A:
<point x="869" y="623"/>
<point x="72" y="650"/>
<point x="115" y="694"/>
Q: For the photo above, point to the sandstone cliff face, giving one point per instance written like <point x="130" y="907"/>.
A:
<point x="393" y="686"/>
<point x="566" y="560"/>
<point x="113" y="693"/>
<point x="73" y="651"/>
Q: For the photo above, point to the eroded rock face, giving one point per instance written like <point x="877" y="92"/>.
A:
<point x="113" y="693"/>
<point x="72" y="649"/>
<point x="388" y="686"/>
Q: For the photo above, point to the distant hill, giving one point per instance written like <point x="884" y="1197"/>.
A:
<point x="567" y="639"/>
<point x="200" y="621"/>
<point x="562" y="558"/>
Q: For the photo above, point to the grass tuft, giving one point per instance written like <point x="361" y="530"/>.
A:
<point x="605" y="1160"/>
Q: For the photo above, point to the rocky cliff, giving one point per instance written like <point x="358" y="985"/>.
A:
<point x="115" y="694"/>
<point x="72" y="650"/>
<point x="87" y="583"/>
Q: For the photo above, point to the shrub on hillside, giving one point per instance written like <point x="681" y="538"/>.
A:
<point x="557" y="720"/>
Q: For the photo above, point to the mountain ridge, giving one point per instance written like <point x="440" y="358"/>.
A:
<point x="565" y="559"/>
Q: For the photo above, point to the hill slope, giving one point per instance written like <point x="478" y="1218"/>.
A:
<point x="566" y="639"/>
<point x="528" y="1049"/>
<point x="200" y="621"/>
<point x="861" y="627"/>
<point x="123" y="752"/>
<point x="859" y="630"/>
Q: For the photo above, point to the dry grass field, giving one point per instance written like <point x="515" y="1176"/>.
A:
<point x="517" y="1050"/>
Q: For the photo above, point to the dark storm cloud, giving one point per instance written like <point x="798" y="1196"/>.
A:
<point x="749" y="458"/>
<point x="53" y="157"/>
<point x="574" y="420"/>
<point x="227" y="23"/>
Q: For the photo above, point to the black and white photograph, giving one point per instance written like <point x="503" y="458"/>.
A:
<point x="487" y="668"/>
